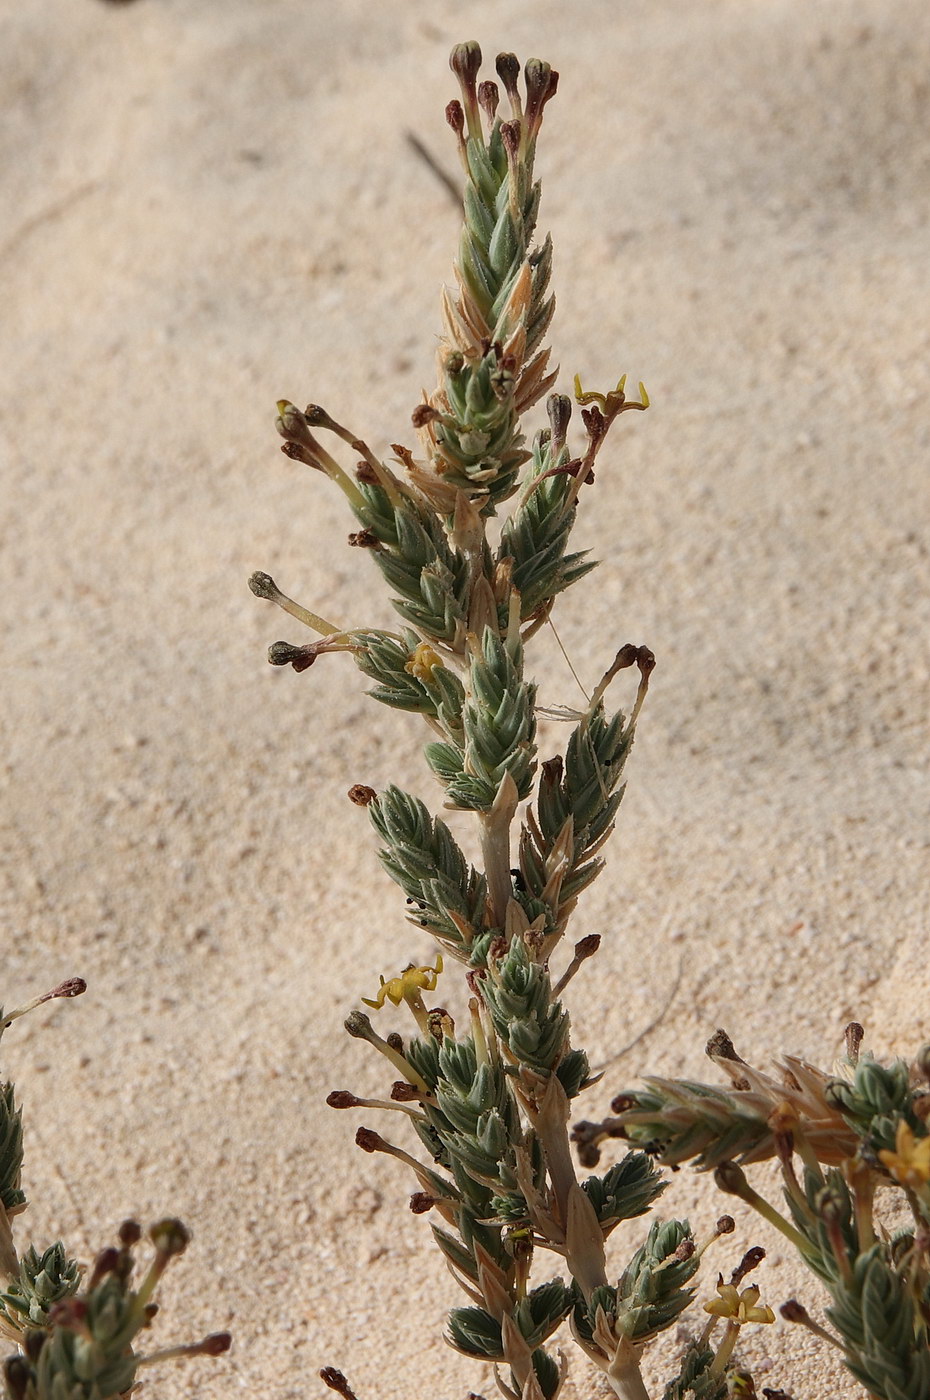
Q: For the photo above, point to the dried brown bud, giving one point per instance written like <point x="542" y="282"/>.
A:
<point x="596" y="425"/>
<point x="73" y="987"/>
<point x="284" y="654"/>
<point x="358" y="1024"/>
<point x="215" y="1344"/>
<point x="402" y="1092"/>
<point x="646" y="661"/>
<point x="337" y="1381"/>
<point x="396" y="1042"/>
<point x="366" y="473"/>
<point x="317" y="416"/>
<point x="750" y="1260"/>
<point x="297" y="453"/>
<point x="365" y="539"/>
<point x="588" y="946"/>
<point x="489" y="98"/>
<point x="853" y="1034"/>
<point x="106" y="1261"/>
<point x="465" y="62"/>
<point x="685" y="1250"/>
<point x="551" y="771"/>
<point x="720" y="1046"/>
<point x="264" y="586"/>
<point x="793" y="1311"/>
<point x="455" y="116"/>
<point x="420" y="1202"/>
<point x="510" y="135"/>
<point x="424" y="413"/>
<point x="368" y="1140"/>
<point x="625" y="657"/>
<point x="508" y="70"/>
<point x="130" y="1233"/>
<point x="559" y="409"/>
<point x="361" y="795"/>
<point x="725" y="1225"/>
<point x="439" y="1023"/>
<point x="541" y="84"/>
<point x="341" y="1098"/>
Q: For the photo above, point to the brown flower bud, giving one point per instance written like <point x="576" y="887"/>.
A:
<point x="170" y="1236"/>
<point x="341" y="1098"/>
<point x="337" y="1381"/>
<point x="510" y="135"/>
<point x="465" y="62"/>
<point x="130" y="1233"/>
<point x="361" y="795"/>
<point x="588" y="946"/>
<point x="489" y="98"/>
<point x="73" y="987"/>
<point x="853" y="1035"/>
<point x="720" y="1046"/>
<point x="793" y="1311"/>
<point x="508" y="70"/>
<point x="368" y="1140"/>
<point x="559" y="409"/>
<point x="106" y="1261"/>
<point x="364" y="539"/>
<point x="358" y="1025"/>
<point x="215" y="1344"/>
<point x="646" y="661"/>
<point x="284" y="654"/>
<point x="750" y="1260"/>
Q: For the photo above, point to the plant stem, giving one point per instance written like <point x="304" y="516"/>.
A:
<point x="626" y="1379"/>
<point x="495" y="848"/>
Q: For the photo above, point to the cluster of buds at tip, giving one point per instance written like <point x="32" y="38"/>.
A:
<point x="85" y="1343"/>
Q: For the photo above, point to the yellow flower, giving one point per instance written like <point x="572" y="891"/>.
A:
<point x="423" y="662"/>
<point x="909" y="1164"/>
<point x="407" y="986"/>
<point x="613" y="400"/>
<point x="738" y="1307"/>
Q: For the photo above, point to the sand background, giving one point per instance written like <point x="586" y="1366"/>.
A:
<point x="208" y="204"/>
